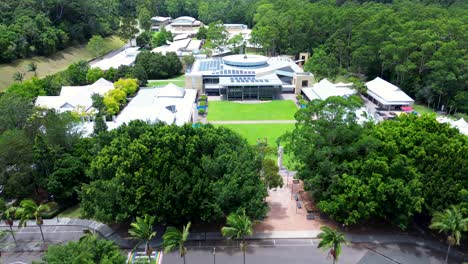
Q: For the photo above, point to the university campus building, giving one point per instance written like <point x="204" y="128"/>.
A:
<point x="247" y="77"/>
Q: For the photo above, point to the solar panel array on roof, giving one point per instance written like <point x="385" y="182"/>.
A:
<point x="231" y="72"/>
<point x="210" y="65"/>
<point x="247" y="80"/>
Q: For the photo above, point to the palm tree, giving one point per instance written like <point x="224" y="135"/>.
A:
<point x="238" y="226"/>
<point x="30" y="209"/>
<point x="174" y="238"/>
<point x="142" y="229"/>
<point x="331" y="239"/>
<point x="18" y="76"/>
<point x="8" y="217"/>
<point x="452" y="223"/>
<point x="32" y="67"/>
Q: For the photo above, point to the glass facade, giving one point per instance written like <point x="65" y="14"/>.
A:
<point x="251" y="92"/>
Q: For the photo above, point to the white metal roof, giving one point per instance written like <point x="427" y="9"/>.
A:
<point x="324" y="89"/>
<point x="387" y="93"/>
<point x="152" y="105"/>
<point x="72" y="97"/>
<point x="126" y="57"/>
<point x="160" y="19"/>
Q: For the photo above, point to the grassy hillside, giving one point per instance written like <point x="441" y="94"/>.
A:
<point x="52" y="64"/>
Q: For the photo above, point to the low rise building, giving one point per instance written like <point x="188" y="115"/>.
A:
<point x="126" y="57"/>
<point x="159" y="22"/>
<point x="243" y="77"/>
<point x="184" y="25"/>
<point x="75" y="98"/>
<point x="324" y="89"/>
<point x="169" y="104"/>
<point x="387" y="95"/>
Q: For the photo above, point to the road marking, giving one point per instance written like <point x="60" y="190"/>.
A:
<point x="274" y="242"/>
<point x="58" y="232"/>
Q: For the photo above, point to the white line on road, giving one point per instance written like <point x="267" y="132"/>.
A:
<point x="55" y="232"/>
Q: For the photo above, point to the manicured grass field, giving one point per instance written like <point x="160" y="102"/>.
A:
<point x="252" y="132"/>
<point x="50" y="65"/>
<point x="72" y="212"/>
<point x="421" y="109"/>
<point x="274" y="110"/>
<point x="179" y="81"/>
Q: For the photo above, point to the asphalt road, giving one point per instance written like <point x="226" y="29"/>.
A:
<point x="276" y="251"/>
<point x="299" y="251"/>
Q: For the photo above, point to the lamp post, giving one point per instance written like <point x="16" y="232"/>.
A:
<point x="214" y="255"/>
<point x="292" y="189"/>
<point x="287" y="178"/>
<point x="53" y="200"/>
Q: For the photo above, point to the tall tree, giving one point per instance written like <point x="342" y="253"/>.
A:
<point x="96" y="46"/>
<point x="331" y="239"/>
<point x="30" y="209"/>
<point x="142" y="230"/>
<point x="128" y="29"/>
<point x="238" y="226"/>
<point x="174" y="239"/>
<point x="144" y="17"/>
<point x="452" y="223"/>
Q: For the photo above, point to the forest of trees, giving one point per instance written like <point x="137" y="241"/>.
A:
<point x="395" y="170"/>
<point x="42" y="27"/>
<point x="417" y="46"/>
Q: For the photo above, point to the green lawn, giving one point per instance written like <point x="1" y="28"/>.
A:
<point x="274" y="110"/>
<point x="421" y="109"/>
<point x="72" y="212"/>
<point x="53" y="64"/>
<point x="179" y="81"/>
<point x="252" y="132"/>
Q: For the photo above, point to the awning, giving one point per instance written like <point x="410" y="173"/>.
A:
<point x="407" y="108"/>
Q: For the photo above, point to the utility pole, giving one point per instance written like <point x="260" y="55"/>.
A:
<point x="214" y="255"/>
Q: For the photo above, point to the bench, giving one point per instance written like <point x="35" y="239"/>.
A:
<point x="310" y="216"/>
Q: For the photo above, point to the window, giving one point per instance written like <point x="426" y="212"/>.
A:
<point x="305" y="83"/>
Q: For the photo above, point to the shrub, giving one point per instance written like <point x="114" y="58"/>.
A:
<point x="201" y="111"/>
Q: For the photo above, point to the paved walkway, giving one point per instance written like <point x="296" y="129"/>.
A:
<point x="245" y="122"/>
<point x="284" y="214"/>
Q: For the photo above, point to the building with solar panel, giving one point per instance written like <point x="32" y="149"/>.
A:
<point x="247" y="77"/>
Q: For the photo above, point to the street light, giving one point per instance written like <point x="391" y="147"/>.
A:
<point x="214" y="255"/>
<point x="53" y="200"/>
<point x="287" y="178"/>
<point x="292" y="188"/>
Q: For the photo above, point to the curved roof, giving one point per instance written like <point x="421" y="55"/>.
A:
<point x="185" y="18"/>
<point x="245" y="60"/>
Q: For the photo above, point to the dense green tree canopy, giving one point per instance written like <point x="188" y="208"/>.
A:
<point x="418" y="46"/>
<point x="88" y="250"/>
<point x="393" y="170"/>
<point x="158" y="66"/>
<point x="43" y="27"/>
<point x="174" y="173"/>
